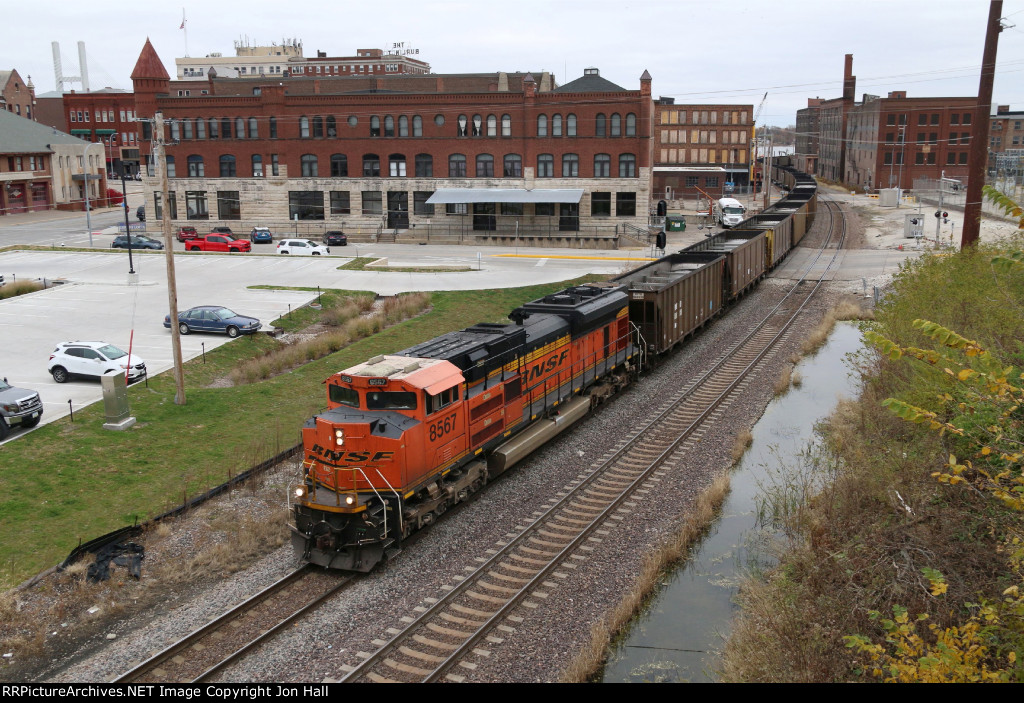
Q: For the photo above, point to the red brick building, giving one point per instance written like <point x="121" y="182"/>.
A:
<point x="700" y="148"/>
<point x="893" y="141"/>
<point x="106" y="116"/>
<point x="440" y="152"/>
<point x="16" y="95"/>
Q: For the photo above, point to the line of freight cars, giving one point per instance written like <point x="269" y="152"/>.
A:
<point x="408" y="435"/>
<point x="673" y="297"/>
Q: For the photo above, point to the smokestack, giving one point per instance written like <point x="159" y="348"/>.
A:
<point x="849" y="80"/>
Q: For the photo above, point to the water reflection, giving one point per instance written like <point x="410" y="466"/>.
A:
<point x="676" y="638"/>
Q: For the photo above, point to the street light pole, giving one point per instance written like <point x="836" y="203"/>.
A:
<point x="127" y="227"/>
<point x="85" y="169"/>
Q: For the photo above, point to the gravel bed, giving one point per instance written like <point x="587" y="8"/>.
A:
<point x="549" y="635"/>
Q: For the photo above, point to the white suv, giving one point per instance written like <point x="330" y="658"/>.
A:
<point x="93" y="359"/>
<point x="301" y="246"/>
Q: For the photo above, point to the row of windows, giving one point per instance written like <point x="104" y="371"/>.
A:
<point x="309" y="204"/>
<point x="703" y="117"/>
<point x="934" y="118"/>
<point x="101" y="115"/>
<point x="318" y="127"/>
<point x="512" y="166"/>
<point x="929" y="138"/>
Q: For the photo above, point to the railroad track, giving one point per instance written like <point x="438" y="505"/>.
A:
<point x="442" y="643"/>
<point x="225" y="639"/>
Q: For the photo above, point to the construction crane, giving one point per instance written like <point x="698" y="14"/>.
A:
<point x="753" y="139"/>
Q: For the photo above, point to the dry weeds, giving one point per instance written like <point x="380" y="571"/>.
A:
<point x="592" y="655"/>
<point x="743" y="441"/>
<point x="845" y="309"/>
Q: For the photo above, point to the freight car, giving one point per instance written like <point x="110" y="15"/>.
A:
<point x="406" y="436"/>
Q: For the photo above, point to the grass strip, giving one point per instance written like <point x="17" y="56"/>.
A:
<point x="68" y="482"/>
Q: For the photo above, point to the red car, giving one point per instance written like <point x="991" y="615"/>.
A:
<point x="218" y="242"/>
<point x="185" y="232"/>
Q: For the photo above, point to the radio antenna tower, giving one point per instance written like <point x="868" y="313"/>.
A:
<point x="61" y="79"/>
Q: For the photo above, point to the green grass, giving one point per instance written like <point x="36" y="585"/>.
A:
<point x="70" y="482"/>
<point x="303" y="317"/>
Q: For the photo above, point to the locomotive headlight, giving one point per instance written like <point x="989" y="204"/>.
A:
<point x="350" y="500"/>
<point x="339" y="436"/>
<point x="300" y="491"/>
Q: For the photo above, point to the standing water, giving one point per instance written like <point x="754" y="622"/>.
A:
<point x="676" y="638"/>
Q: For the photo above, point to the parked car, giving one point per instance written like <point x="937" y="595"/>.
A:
<point x="93" y="359"/>
<point x="305" y="247"/>
<point x="141" y="213"/>
<point x="218" y="242"/>
<point x="139" y="241"/>
<point x="221" y="230"/>
<point x="261" y="235"/>
<point x="214" y="318"/>
<point x="18" y="406"/>
<point x="186" y="232"/>
<point x="335" y="239"/>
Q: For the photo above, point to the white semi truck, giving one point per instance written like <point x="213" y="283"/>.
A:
<point x="729" y="212"/>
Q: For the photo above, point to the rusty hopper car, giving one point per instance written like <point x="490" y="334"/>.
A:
<point x="745" y="252"/>
<point x="406" y="436"/>
<point x="673" y="297"/>
<point x="778" y="229"/>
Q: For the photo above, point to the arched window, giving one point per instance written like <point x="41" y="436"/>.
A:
<point x="396" y="165"/>
<point x="200" y="128"/>
<point x="374" y="126"/>
<point x="492" y="126"/>
<point x="339" y="166"/>
<point x="417" y="126"/>
<point x="332" y="126"/>
<point x="506" y="125"/>
<point x="389" y="126"/>
<point x="478" y="125"/>
<point x="463" y="125"/>
<point x="186" y="130"/>
<point x="602" y="166"/>
<point x="484" y="166"/>
<point x="225" y="128"/>
<point x="545" y="166"/>
<point x="627" y="166"/>
<point x="542" y="125"/>
<point x="570" y="125"/>
<point x="616" y="125"/>
<point x="456" y="166"/>
<point x="631" y="125"/>
<point x="304" y="127"/>
<point x="424" y="165"/>
<point x="403" y="126"/>
<point x="570" y="166"/>
<point x="214" y="131"/>
<point x="600" y="125"/>
<point x="257" y="166"/>
<point x="371" y="165"/>
<point x="310" y="168"/>
<point x="556" y="125"/>
<point x="227" y="166"/>
<point x="318" y="127"/>
<point x="513" y="166"/>
<point x="239" y="128"/>
<point x="195" y="166"/>
<point x="254" y="132"/>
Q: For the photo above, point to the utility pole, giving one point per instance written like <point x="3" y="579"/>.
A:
<point x="979" y="133"/>
<point x="172" y="286"/>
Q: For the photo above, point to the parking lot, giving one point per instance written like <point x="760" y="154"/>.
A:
<point x="95" y="301"/>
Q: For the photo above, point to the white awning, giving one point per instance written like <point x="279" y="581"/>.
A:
<point x="445" y="196"/>
<point x="693" y="169"/>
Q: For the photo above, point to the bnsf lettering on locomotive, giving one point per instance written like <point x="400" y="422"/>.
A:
<point x="539" y="369"/>
<point x="349" y="457"/>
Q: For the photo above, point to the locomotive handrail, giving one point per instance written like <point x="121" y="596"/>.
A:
<point x="401" y="525"/>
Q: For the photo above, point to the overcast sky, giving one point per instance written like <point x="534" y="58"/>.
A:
<point x="696" y="51"/>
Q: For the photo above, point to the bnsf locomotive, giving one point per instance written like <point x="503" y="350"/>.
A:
<point x="408" y="435"/>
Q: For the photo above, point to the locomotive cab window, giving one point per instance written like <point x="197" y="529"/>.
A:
<point x="442" y="399"/>
<point x="344" y="395"/>
<point x="394" y="400"/>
